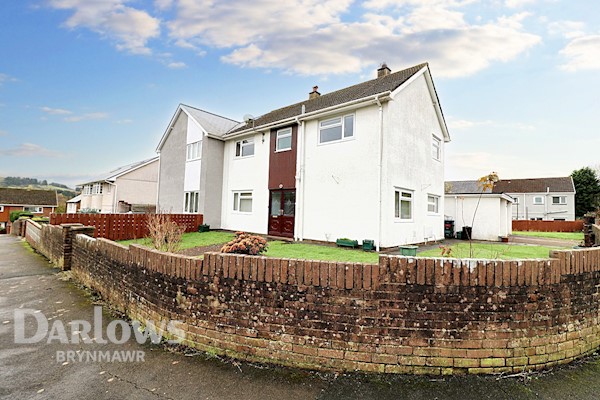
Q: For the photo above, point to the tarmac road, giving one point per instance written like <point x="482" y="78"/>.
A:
<point x="31" y="371"/>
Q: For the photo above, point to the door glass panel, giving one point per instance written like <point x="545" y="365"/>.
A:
<point x="289" y="203"/>
<point x="275" y="203"/>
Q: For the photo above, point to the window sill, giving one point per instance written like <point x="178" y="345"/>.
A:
<point x="403" y="221"/>
<point x="193" y="159"/>
<point x="242" y="157"/>
<point x="349" y="139"/>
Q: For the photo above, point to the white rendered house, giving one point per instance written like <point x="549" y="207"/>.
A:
<point x="364" y="162"/>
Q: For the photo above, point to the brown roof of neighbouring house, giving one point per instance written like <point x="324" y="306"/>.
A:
<point x="28" y="197"/>
<point x="533" y="185"/>
<point x="370" y="88"/>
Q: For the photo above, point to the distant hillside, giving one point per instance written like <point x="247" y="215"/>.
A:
<point x="33" y="183"/>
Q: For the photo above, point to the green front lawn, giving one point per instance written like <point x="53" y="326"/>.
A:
<point x="191" y="239"/>
<point x="307" y="251"/>
<point x="492" y="251"/>
<point x="552" y="235"/>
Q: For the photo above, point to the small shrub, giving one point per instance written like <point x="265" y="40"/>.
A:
<point x="244" y="243"/>
<point x="14" y="215"/>
<point x="446" y="251"/>
<point x="164" y="233"/>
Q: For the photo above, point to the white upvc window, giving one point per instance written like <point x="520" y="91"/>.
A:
<point x="336" y="129"/>
<point x="559" y="200"/>
<point x="1" y="208"/>
<point x="283" y="140"/>
<point x="537" y="200"/>
<point x="191" y="201"/>
<point x="436" y="148"/>
<point x="242" y="202"/>
<point x="97" y="189"/>
<point x="33" y="209"/>
<point x="244" y="148"/>
<point x="193" y="151"/>
<point x="87" y="189"/>
<point x="433" y="204"/>
<point x="403" y="204"/>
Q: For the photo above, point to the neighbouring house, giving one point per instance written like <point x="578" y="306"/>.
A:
<point x="547" y="199"/>
<point x="131" y="188"/>
<point x="364" y="162"/>
<point x="74" y="204"/>
<point x="191" y="164"/>
<point x="38" y="202"/>
<point x="489" y="214"/>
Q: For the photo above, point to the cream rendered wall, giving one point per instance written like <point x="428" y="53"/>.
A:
<point x="340" y="181"/>
<point x="172" y="167"/>
<point x="410" y="121"/>
<point x="138" y="186"/>
<point x="525" y="209"/>
<point x="491" y="220"/>
<point x="246" y="174"/>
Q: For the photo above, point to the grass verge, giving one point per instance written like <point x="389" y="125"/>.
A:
<point x="552" y="235"/>
<point x="493" y="251"/>
<point x="191" y="239"/>
<point x="305" y="251"/>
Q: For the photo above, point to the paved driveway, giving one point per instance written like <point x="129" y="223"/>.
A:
<point x="30" y="371"/>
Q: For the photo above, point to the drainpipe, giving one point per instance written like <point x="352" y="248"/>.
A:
<point x="157" y="210"/>
<point x="299" y="204"/>
<point x="380" y="172"/>
<point x="114" y="193"/>
<point x="301" y="174"/>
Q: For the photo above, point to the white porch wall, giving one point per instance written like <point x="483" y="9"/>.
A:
<point x="491" y="220"/>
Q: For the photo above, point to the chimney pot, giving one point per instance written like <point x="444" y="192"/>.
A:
<point x="314" y="94"/>
<point x="384" y="70"/>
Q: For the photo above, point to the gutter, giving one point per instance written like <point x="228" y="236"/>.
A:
<point x="339" y="107"/>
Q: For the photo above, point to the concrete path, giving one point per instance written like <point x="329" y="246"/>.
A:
<point x="30" y="371"/>
<point x="537" y="241"/>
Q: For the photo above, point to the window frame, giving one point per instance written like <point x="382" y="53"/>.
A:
<point x="436" y="204"/>
<point x="342" y="124"/>
<point x="97" y="188"/>
<point x="191" y="202"/>
<point x="87" y="189"/>
<point x="37" y="209"/>
<point x="436" y="146"/>
<point x="535" y="203"/>
<point x="1" y="209"/>
<point x="189" y="151"/>
<point x="240" y="145"/>
<point x="560" y="200"/>
<point x="398" y="196"/>
<point x="283" y="133"/>
<point x="239" y="195"/>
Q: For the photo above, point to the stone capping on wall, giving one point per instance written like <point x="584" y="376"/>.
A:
<point x="404" y="315"/>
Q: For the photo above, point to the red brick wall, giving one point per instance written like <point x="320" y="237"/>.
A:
<point x="548" y="226"/>
<point x="405" y="315"/>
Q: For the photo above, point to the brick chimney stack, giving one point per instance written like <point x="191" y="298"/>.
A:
<point x="314" y="94"/>
<point x="383" y="71"/>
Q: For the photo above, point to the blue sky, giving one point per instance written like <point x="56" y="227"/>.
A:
<point x="87" y="86"/>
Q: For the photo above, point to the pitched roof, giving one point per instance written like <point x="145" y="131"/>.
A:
<point x="370" y="88"/>
<point x="28" y="197"/>
<point x="75" y="199"/>
<point x="212" y="123"/>
<point x="115" y="173"/>
<point x="535" y="185"/>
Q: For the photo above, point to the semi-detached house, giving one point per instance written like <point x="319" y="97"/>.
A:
<point x="363" y="162"/>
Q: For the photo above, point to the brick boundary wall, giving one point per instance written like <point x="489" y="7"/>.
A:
<point x="405" y="315"/>
<point x="547" y="226"/>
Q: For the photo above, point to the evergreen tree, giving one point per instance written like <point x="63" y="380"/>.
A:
<point x="587" y="188"/>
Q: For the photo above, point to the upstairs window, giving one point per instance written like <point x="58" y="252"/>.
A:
<point x="97" y="189"/>
<point x="537" y="200"/>
<point x="283" y="141"/>
<point x="33" y="209"/>
<point x="193" y="151"/>
<point x="403" y="204"/>
<point x="244" y="148"/>
<point x="436" y="148"/>
<point x="336" y="129"/>
<point x="558" y="200"/>
<point x="1" y="209"/>
<point x="87" y="189"/>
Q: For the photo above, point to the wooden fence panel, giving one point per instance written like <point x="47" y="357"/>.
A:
<point x="123" y="226"/>
<point x="547" y="226"/>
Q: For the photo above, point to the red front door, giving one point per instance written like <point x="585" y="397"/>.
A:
<point x="282" y="212"/>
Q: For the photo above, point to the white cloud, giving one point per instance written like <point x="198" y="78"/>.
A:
<point x="568" y="29"/>
<point x="518" y="3"/>
<point x="128" y="27"/>
<point x="124" y="121"/>
<point x="176" y="65"/>
<point x="55" y="111"/>
<point x="457" y="124"/>
<point x="6" y="78"/>
<point x="3" y="133"/>
<point x="30" y="150"/>
<point x="87" y="116"/>
<point x="163" y="4"/>
<point x="310" y="37"/>
<point x="582" y="53"/>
